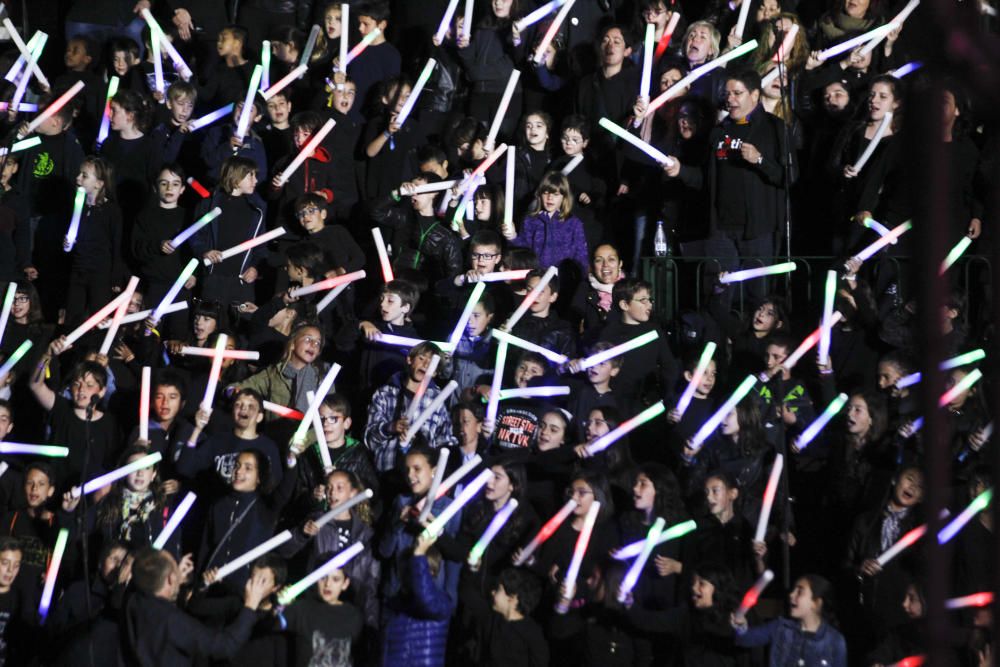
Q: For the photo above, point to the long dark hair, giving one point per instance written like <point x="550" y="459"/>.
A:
<point x="725" y="598"/>
<point x="109" y="511"/>
<point x="822" y="589"/>
<point x="668" y="502"/>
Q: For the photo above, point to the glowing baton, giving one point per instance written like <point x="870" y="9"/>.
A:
<point x="174" y="522"/>
<point x="242" y="355"/>
<point x="116" y="321"/>
<point x="978" y="504"/>
<point x="573" y="571"/>
<point x="432" y="187"/>
<point x="826" y="328"/>
<point x="498" y="117"/>
<point x="741" y="21"/>
<point x="283" y="410"/>
<point x="955" y="253"/>
<point x="668" y="33"/>
<point x="501" y="276"/>
<point x="699" y="374"/>
<point x="404" y="341"/>
<point x="22" y="84"/>
<point x="8" y="303"/>
<point x="329" y="283"/>
<point x="974" y="600"/>
<point x="750" y="274"/>
<point x="321" y="445"/>
<point x="246" y="113"/>
<point x="435" y="405"/>
<point x="74" y="223"/>
<point x="896" y="23"/>
<point x="786" y="44"/>
<point x="15" y="357"/>
<point x="465" y="206"/>
<point x="674" y="532"/>
<point x="193" y="229"/>
<point x="213" y="376"/>
<point x="551" y="33"/>
<point x="497" y="382"/>
<point x="751" y="596"/>
<point x="626" y="427"/>
<point x="537" y="15"/>
<point x="554" y="357"/>
<point x="321" y="392"/>
<point x="26" y="51"/>
<point x="328" y="299"/>
<point x="436" y="526"/>
<point x="905" y="542"/>
<point x="93" y="320"/>
<point x="877" y="227"/>
<point x="449" y="13"/>
<point x="250" y="244"/>
<point x="572" y="164"/>
<point x="156" y="32"/>
<point x="418" y="395"/>
<point x="439" y="469"/>
<point x="307" y="150"/>
<point x="457" y="476"/>
<point x="144" y="403"/>
<point x="632" y="576"/>
<point x="22" y="145"/>
<point x="769" y="78"/>
<point x="288" y="595"/>
<point x="210" y="118"/>
<point x="418" y="88"/>
<point x="807" y="344"/>
<point x="891" y="237"/>
<point x="831" y="411"/>
<point x="53" y="572"/>
<point x="15" y="70"/>
<point x="467" y="19"/>
<point x="383" y="255"/>
<point x="911" y="661"/>
<point x="496" y="525"/>
<point x="143" y="314"/>
<point x="284" y="82"/>
<point x="480" y="170"/>
<point x="618" y="350"/>
<point x="533" y="392"/>
<point x="769" y="493"/>
<point x="837" y="49"/>
<point x="908" y="68"/>
<point x="265" y="65"/>
<point x="54" y="451"/>
<point x="253" y="554"/>
<point x="963" y="385"/>
<point x="873" y="144"/>
<point x="157" y="55"/>
<point x="963" y="359"/>
<point x="345" y="22"/>
<point x="362" y="45"/>
<point x="713" y="422"/>
<point x="102" y="135"/>
<point x="647" y="60"/>
<point x="474" y="297"/>
<point x="345" y="506"/>
<point x="310" y="46"/>
<point x="198" y="187"/>
<point x="52" y="109"/>
<point x="147" y="461"/>
<point x="530" y="298"/>
<point x="697" y="73"/>
<point x="546" y="531"/>
<point x="654" y="153"/>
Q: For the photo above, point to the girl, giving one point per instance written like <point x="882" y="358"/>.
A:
<point x="808" y="637"/>
<point x="726" y="535"/>
<point x="550" y="229"/>
<point x="131" y="151"/>
<point x="659" y="13"/>
<point x="26" y="322"/>
<point x="489" y="213"/>
<point x="230" y="281"/>
<point x="386" y="142"/>
<point x="750" y="336"/>
<point x="701" y="406"/>
<point x="533" y="157"/>
<point x="616" y="460"/>
<point x="467" y="421"/>
<point x="96" y="264"/>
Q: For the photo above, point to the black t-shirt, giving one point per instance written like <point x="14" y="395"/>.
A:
<point x="517" y="423"/>
<point x="70" y="431"/>
<point x="324" y="633"/>
<point x="732" y="198"/>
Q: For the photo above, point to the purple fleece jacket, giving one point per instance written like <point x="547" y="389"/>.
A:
<point x="553" y="239"/>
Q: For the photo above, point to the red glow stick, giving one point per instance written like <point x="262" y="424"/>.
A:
<point x="974" y="600"/>
<point x="807" y="344"/>
<point x="93" y="320"/>
<point x="198" y="187"/>
<point x="668" y="33"/>
<point x="329" y="283"/>
<point x="752" y="595"/>
<point x="550" y="527"/>
<point x="283" y="411"/>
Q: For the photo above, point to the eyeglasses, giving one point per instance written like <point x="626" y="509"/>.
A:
<point x="21" y="298"/>
<point x="645" y="300"/>
<point x="311" y="340"/>
<point x="594" y="422"/>
<point x="578" y="493"/>
<point x="332" y="419"/>
<point x="306" y="212"/>
<point x="485" y="255"/>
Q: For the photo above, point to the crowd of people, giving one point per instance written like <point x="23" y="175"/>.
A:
<point x="429" y="382"/>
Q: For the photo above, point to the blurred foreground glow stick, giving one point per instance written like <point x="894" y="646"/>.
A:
<point x="896" y="23"/>
<point x="974" y="600"/>
<point x="668" y="33"/>
<point x="246" y="113"/>
<point x="329" y="283"/>
<point x="470" y="5"/>
<point x="50" y="575"/>
<point x="383" y="255"/>
<point x="435" y="405"/>
<point x="551" y="33"/>
<point x="156" y="32"/>
<point x="210" y="117"/>
<point x="102" y="134"/>
<point x="213" y="377"/>
<point x="533" y="392"/>
<point x="253" y="554"/>
<point x="74" y="224"/>
<point x="826" y="327"/>
<point x="908" y="68"/>
<point x="457" y="476"/>
<point x="579" y="551"/>
<point x="285" y="81"/>
<point x="910" y="661"/>
<point x="751" y="596"/>
<point x="696" y="74"/>
<point x="849" y="44"/>
<point x="546" y="531"/>
<point x="699" y="374"/>
<point x="537" y="15"/>
<point x="807" y="344"/>
<point x="955" y="253"/>
<point x="345" y="506"/>
<point x="978" y="504"/>
<point x="345" y="36"/>
<point x="473" y="301"/>
<point x="713" y="422"/>
<point x="674" y="532"/>
<point x="174" y="522"/>
<point x="619" y="350"/>
<point x="654" y="153"/>
<point x="831" y="411"/>
<point x="144" y="392"/>
<point x="530" y="298"/>
<point x="418" y="88"/>
<point x="632" y="576"/>
<point x="116" y="321"/>
<point x="760" y="272"/>
<point x="250" y="244"/>
<point x="501" y="113"/>
<point x="418" y="395"/>
<point x="288" y="595"/>
<point x="626" y="427"/>
<point x="496" y="525"/>
<point x="193" y="229"/>
<point x="52" y="108"/>
<point x="963" y="385"/>
<point x="436" y="526"/>
<point x="147" y="461"/>
<point x="866" y="155"/>
<point x="307" y="151"/>
<point x="54" y="451"/>
<point x="554" y="357"/>
<point x="439" y="470"/>
<point x="769" y="494"/>
<point x="878" y="228"/>
<point x="310" y="45"/>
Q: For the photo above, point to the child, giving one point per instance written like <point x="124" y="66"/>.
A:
<point x="510" y="636"/>
<point x="533" y="159"/>
<point x="783" y="397"/>
<point x="173" y="138"/>
<point x="397" y="302"/>
<point x="220" y="143"/>
<point x="518" y="419"/>
<point x="346" y="452"/>
<point x="168" y="432"/>
<point x="342" y="252"/>
<point x="230" y="81"/>
<point x="18" y="608"/>
<point x="124" y="55"/>
<point x="542" y="325"/>
<point x="380" y="61"/>
<point x="387" y="422"/>
<point x="725" y="536"/>
<point x="277" y="134"/>
<point x="315" y="176"/>
<point x="700" y="408"/>
<point x="808" y="637"/>
<point x="387" y="143"/>
<point x="596" y="390"/>
<point x="96" y="264"/>
<point x="473" y="356"/>
<point x="79" y="58"/>
<point x="584" y="182"/>
<point x="33" y="525"/>
<point x="342" y="142"/>
<point x="132" y="153"/>
<point x="550" y="229"/>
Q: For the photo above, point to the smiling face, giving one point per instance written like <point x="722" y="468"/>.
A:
<point x="606" y="265"/>
<point x="526" y="371"/>
<point x="643" y="493"/>
<point x="139" y="481"/>
<point x="246" y="412"/>
<point x="307" y="345"/>
<point x="536" y="131"/>
<point x="419" y="474"/>
<point x="551" y="432"/>
<point x="246" y="475"/>
<point x="702" y="593"/>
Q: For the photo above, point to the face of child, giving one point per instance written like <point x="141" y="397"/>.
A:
<point x="6" y="422"/>
<point x="169" y="188"/>
<point x="228" y="45"/>
<point x="643" y="493"/>
<point x="392" y="307"/>
<point x="707" y="380"/>
<point x="775" y="355"/>
<point x="139" y="480"/>
<point x="502" y="602"/>
<point x="121" y="62"/>
<point x="597" y="425"/>
<point x="536" y="131"/>
<point x="331" y="23"/>
<point x="84" y="389"/>
<point x="399" y="96"/>
<point x="913" y="606"/>
<point x="248" y="183"/>
<point x="88" y="180"/>
<point x="765" y="318"/>
<point x="614" y="50"/>
<point x="76" y="57"/>
<point x="307" y="345"/>
<point x="581" y="492"/>
<point x="730" y="424"/>
<point x="702" y="593"/>
<point x="467" y="427"/>
<point x="669" y="78"/>
<point x="166" y="402"/>
<point x="769" y="9"/>
<point x="479" y="321"/>
<point x="300" y="136"/>
<point x="21" y="306"/>
<point x="279" y="109"/>
<point x="639" y="309"/>
<point x="332" y="586"/>
<point x="500" y="488"/>
<point x="335" y="425"/>
<point x="52" y="127"/>
<point x="238" y="110"/>
<point x="551" y="432"/>
<point x="312" y="218"/>
<point x="419" y="474"/>
<point x="719" y="498"/>
<point x="887" y="376"/>
<point x="339" y="489"/>
<point x="526" y="371"/>
<point x="552" y="201"/>
<point x="246" y="476"/>
<point x="909" y="489"/>
<point x="112" y="562"/>
<point x="181" y="109"/>
<point x="203" y="326"/>
<point x="573" y="142"/>
<point x="366" y="24"/>
<point x="344" y="97"/>
<point x="801" y="602"/>
<point x="246" y="412"/>
<point x="484" y="207"/>
<point x="858" y="420"/>
<point x="835" y="98"/>
<point x="10" y="565"/>
<point x="419" y="363"/>
<point x="38" y="488"/>
<point x="485" y="258"/>
<point x="600" y="374"/>
<point x="10" y="168"/>
<point x="545" y="299"/>
<point x="881" y="100"/>
<point x="501" y="8"/>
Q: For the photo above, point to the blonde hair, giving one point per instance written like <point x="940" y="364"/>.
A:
<point x="554" y="182"/>
<point x="234" y="170"/>
<point x="794" y="61"/>
<point x="298" y="332"/>
<point x="713" y="34"/>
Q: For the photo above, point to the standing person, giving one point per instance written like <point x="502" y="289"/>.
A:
<point x="131" y="151"/>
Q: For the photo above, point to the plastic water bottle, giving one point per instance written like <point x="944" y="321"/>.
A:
<point x="661" y="246"/>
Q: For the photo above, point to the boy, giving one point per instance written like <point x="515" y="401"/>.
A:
<point x="341" y="250"/>
<point x="314" y="176"/>
<point x="277" y="134"/>
<point x="508" y="634"/>
<point x="541" y="325"/>
<point x="173" y="137"/>
<point x="795" y="409"/>
<point x="168" y="432"/>
<point x="584" y="181"/>
<point x="325" y="627"/>
<point x="16" y="608"/>
<point x="342" y="143"/>
<point x="474" y="354"/>
<point x="229" y="82"/>
<point x="221" y="143"/>
<point x="397" y="302"/>
<point x="517" y="419"/>
<point x="387" y="422"/>
<point x="34" y="526"/>
<point x="345" y="452"/>
<point x="596" y="392"/>
<point x="381" y="60"/>
<point x="79" y="57"/>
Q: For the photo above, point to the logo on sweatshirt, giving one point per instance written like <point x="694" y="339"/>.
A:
<point x="44" y="166"/>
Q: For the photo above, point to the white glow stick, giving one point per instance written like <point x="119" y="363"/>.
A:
<point x="213" y="376"/>
<point x="116" y="321"/>
<point x="905" y="542"/>
<point x="498" y="117"/>
<point x="530" y="298"/>
<point x="891" y="237"/>
<point x="105" y="128"/>
<point x="655" y="153"/>
<point x="618" y="350"/>
<point x="449" y="13"/>
<point x="572" y="164"/>
<point x="713" y="422"/>
<point x="53" y="572"/>
<point x="457" y="476"/>
<point x="696" y="378"/>
<point x="551" y="33"/>
<point x="493" y="403"/>
<point x="18" y="66"/>
<point x="647" y="60"/>
<point x="760" y="272"/>
<point x="383" y="255"/>
<point x="517" y="341"/>
<point x="144" y="393"/>
<point x="54" y="451"/>
<point x="360" y="47"/>
<point x="329" y="283"/>
<point x="436" y="527"/>
<point x="769" y="78"/>
<point x="741" y="21"/>
<point x="74" y="224"/>
<point x="285" y="81"/>
<point x="807" y="344"/>
<point x="501" y="276"/>
<point x="696" y="74"/>
<point x="8" y="303"/>
<point x="253" y="554"/>
<point x="837" y="49"/>
<point x="265" y="65"/>
<point x="345" y="506"/>
<point x="573" y="571"/>
<point x="533" y="392"/>
<point x="328" y="299"/>
<point x="242" y="355"/>
<point x="751" y="596"/>
<point x="769" y="494"/>
<point x="954" y="254"/>
<point x="432" y="187"/>
<point x="310" y="46"/>
<point x="495" y="526"/>
<point x="52" y="109"/>
<point x="147" y="461"/>
<point x="307" y="150"/>
<point x="435" y="405"/>
<point x="22" y="84"/>
<point x="345" y="34"/>
<point x="808" y="435"/>
<point x="439" y="470"/>
<point x="877" y="227"/>
<point x="545" y="532"/>
<point x="288" y="595"/>
<point x="15" y="357"/>
<point x="143" y="314"/>
<point x="508" y="190"/>
<point x="26" y="51"/>
<point x="467" y="19"/>
<point x="537" y="15"/>
<point x="873" y="144"/>
<point x="418" y="88"/>
<point x="210" y="118"/>
<point x="157" y="56"/>
<point x="474" y="297"/>
<point x="787" y="42"/>
<point x="156" y="32"/>
<point x="246" y="113"/>
<point x="963" y="385"/>
<point x="93" y="320"/>
<point x="826" y="328"/>
<point x="174" y="522"/>
<point x="626" y="427"/>
<point x="632" y="576"/>
<point x="908" y="68"/>
<point x="193" y="229"/>
<point x="249" y="244"/>
<point x="321" y="444"/>
<point x="418" y="395"/>
<point x="483" y="166"/>
<point x="321" y="393"/>
<point x="896" y="23"/>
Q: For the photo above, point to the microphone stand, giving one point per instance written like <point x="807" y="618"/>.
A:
<point x="81" y="515"/>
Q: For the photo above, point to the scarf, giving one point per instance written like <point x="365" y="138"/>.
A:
<point x="135" y="511"/>
<point x="891" y="527"/>
<point x="304" y="380"/>
<point x="603" y="291"/>
<point x="835" y="25"/>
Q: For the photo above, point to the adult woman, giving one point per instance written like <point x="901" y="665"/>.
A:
<point x="592" y="302"/>
<point x="847" y="17"/>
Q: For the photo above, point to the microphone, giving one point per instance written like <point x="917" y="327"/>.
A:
<point x="94" y="400"/>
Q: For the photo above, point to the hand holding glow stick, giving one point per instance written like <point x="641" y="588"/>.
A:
<point x="654" y="153"/>
<point x="383" y="255"/>
<point x="418" y="88"/>
<point x="696" y="74"/>
<point x="632" y="576"/>
<point x="953" y="254"/>
<point x="618" y="350"/>
<point x="741" y="21"/>
<point x="246" y="113"/>
<point x="496" y="525"/>
<point x="896" y="23"/>
<point x="983" y="599"/>
<point x="769" y="494"/>
<point x="573" y="571"/>
<point x="418" y="395"/>
<point x="345" y="506"/>
<point x="53" y="571"/>
<point x="826" y="328"/>
<point x="253" y="554"/>
<point x="883" y="126"/>
<point x="74" y="225"/>
<point x="307" y="150"/>
<point x="329" y="283"/>
<point x="213" y="376"/>
<point x="626" y="427"/>
<point x="171" y="294"/>
<point x="831" y="411"/>
<point x="249" y="244"/>
<point x="696" y="378"/>
<point x="52" y="109"/>
<point x="501" y="113"/>
<point x="92" y="321"/>
<point x="554" y="357"/>
<point x="713" y="422"/>
<point x="102" y="134"/>
<point x="891" y="237"/>
<point x="175" y="520"/>
<point x="551" y="33"/>
<point x="760" y="272"/>
<point x="530" y="298"/>
<point x="752" y="595"/>
<point x="288" y="595"/>
<point x="116" y="321"/>
<point x="97" y="483"/>
<point x="546" y="531"/>
<point x="439" y="470"/>
<point x="436" y="527"/>
<point x="15" y="357"/>
<point x="210" y="118"/>
<point x="435" y="405"/>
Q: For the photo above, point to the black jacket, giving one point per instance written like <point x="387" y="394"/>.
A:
<point x="428" y="239"/>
